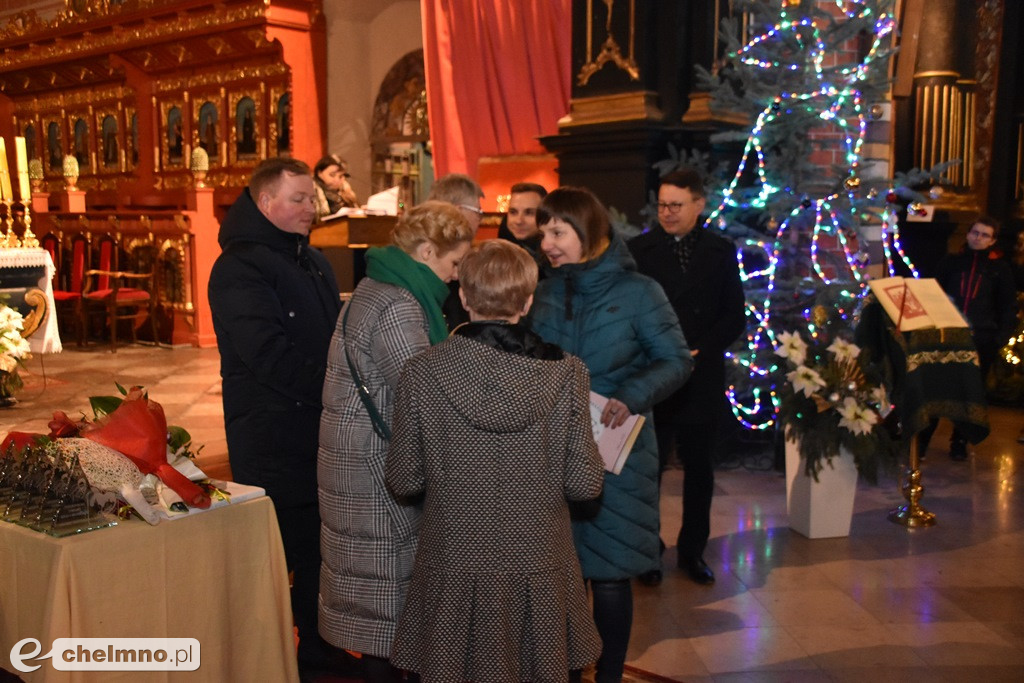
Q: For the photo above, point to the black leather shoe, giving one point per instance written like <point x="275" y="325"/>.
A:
<point x="651" y="578"/>
<point x="698" y="570"/>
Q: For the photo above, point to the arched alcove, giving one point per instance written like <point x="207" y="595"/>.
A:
<point x="400" y="132"/>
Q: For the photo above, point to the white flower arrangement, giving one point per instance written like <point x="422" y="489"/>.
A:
<point x="829" y="402"/>
<point x="13" y="347"/>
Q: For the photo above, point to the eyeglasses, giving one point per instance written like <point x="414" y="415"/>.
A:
<point x="979" y="233"/>
<point x="671" y="207"/>
<point x="475" y="209"/>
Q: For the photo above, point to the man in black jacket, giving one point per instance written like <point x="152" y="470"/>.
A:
<point x="275" y="303"/>
<point x="698" y="271"/>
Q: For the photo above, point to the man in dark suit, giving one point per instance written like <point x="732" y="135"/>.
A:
<point x="698" y="271"/>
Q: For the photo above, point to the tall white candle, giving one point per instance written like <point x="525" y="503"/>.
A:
<point x="5" y="174"/>
<point x="21" y="157"/>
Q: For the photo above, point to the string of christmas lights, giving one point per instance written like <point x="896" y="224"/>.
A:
<point x="798" y="49"/>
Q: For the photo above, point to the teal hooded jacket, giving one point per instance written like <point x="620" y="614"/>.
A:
<point x="620" y="323"/>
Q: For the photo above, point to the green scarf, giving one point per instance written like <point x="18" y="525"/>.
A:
<point x="395" y="267"/>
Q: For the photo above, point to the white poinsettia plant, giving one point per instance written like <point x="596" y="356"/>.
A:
<point x="829" y="401"/>
<point x="13" y="347"/>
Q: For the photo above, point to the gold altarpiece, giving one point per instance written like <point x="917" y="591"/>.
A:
<point x="131" y="87"/>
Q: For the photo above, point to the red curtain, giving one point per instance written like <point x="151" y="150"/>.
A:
<point x="498" y="76"/>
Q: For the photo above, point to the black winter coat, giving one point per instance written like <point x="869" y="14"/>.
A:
<point x="708" y="299"/>
<point x="982" y="285"/>
<point x="275" y="304"/>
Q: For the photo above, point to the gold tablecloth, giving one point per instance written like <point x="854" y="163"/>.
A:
<point x="219" y="577"/>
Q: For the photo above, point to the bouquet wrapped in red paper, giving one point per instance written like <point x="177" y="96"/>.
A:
<point x="138" y="429"/>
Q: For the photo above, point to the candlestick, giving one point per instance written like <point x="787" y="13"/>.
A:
<point x="21" y="158"/>
<point x="28" y="238"/>
<point x="5" y="175"/>
<point x="9" y="240"/>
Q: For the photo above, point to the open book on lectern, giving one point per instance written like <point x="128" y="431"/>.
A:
<point x="916" y="304"/>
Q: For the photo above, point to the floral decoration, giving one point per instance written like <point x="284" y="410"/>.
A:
<point x="13" y="348"/>
<point x="134" y="426"/>
<point x="831" y="401"/>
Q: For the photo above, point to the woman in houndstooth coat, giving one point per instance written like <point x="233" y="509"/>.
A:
<point x="367" y="536"/>
<point x="493" y="425"/>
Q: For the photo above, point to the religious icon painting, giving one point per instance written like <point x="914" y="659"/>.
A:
<point x="110" y="148"/>
<point x="284" y="123"/>
<point x="132" y="139"/>
<point x="54" y="148"/>
<point x="245" y="127"/>
<point x="80" y="143"/>
<point x="29" y="131"/>
<point x="173" y="141"/>
<point x="208" y="137"/>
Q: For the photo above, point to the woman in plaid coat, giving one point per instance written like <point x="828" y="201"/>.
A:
<point x="367" y="536"/>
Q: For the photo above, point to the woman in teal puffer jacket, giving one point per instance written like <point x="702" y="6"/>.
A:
<point x="596" y="306"/>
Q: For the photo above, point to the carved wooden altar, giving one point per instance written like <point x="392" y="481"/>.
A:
<point x="130" y="87"/>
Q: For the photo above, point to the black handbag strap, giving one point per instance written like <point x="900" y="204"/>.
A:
<point x="379" y="425"/>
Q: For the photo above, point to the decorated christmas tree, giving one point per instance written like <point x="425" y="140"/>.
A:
<point x="802" y="206"/>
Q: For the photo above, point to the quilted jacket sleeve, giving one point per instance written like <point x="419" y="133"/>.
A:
<point x="661" y="339"/>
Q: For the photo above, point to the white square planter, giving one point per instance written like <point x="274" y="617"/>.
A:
<point x="823" y="508"/>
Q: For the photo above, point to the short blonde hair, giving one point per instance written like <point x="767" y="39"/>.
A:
<point x="439" y="223"/>
<point x="497" y="278"/>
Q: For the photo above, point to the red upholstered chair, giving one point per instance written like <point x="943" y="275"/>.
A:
<point x="67" y="281"/>
<point x="117" y="295"/>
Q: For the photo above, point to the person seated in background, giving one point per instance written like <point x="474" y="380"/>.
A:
<point x="463" y="192"/>
<point x="520" y="223"/>
<point x="496" y="591"/>
<point x="333" y="193"/>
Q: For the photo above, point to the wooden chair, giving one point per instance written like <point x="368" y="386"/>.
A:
<point x="119" y="295"/>
<point x="68" y="280"/>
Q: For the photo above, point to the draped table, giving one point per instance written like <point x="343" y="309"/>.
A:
<point x="219" y="577"/>
<point x="21" y="269"/>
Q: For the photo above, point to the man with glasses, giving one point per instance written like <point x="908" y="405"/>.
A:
<point x="697" y="269"/>
<point x="464" y="192"/>
<point x="980" y="282"/>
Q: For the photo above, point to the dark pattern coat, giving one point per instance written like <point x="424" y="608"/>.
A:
<point x="493" y="426"/>
<point x="274" y="302"/>
<point x="709" y="301"/>
<point x="622" y="326"/>
<point x="367" y="537"/>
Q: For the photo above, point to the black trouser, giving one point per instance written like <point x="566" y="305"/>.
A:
<point x="300" y="535"/>
<point x="379" y="670"/>
<point x="694" y="444"/>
